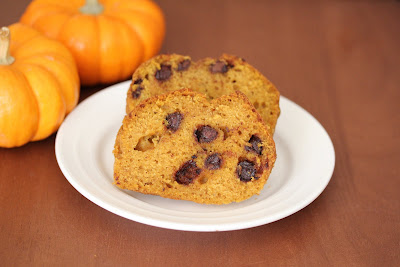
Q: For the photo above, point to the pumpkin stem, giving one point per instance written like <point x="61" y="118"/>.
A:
<point x="92" y="7"/>
<point x="5" y="57"/>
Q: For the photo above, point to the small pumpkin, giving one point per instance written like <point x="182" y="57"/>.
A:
<point x="39" y="85"/>
<point x="108" y="38"/>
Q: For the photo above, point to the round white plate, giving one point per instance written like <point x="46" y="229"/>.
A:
<point x="304" y="166"/>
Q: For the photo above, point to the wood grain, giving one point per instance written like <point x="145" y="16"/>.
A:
<point x="340" y="60"/>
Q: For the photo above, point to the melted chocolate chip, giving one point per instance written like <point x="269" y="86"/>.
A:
<point x="213" y="162"/>
<point x="138" y="81"/>
<point x="187" y="173"/>
<point x="174" y="120"/>
<point x="256" y="146"/>
<point x="219" y="67"/>
<point x="184" y="65"/>
<point x="246" y="171"/>
<point x="164" y="73"/>
<point x="206" y="134"/>
<point x="136" y="94"/>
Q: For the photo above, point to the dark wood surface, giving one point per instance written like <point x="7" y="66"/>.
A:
<point x="340" y="60"/>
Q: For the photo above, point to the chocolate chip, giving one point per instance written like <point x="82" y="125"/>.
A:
<point x="184" y="65"/>
<point x="246" y="171"/>
<point x="206" y="134"/>
<point x="174" y="120"/>
<point x="138" y="81"/>
<point x="213" y="162"/>
<point x="164" y="73"/>
<point x="256" y="146"/>
<point x="187" y="173"/>
<point x="136" y="93"/>
<point x="219" y="66"/>
<point x="194" y="157"/>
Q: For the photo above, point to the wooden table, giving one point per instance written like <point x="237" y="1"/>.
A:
<point x="339" y="60"/>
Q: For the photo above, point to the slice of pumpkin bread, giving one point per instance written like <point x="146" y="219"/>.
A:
<point x="182" y="146"/>
<point x="212" y="77"/>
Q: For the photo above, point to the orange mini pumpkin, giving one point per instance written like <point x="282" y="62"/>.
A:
<point x="108" y="38"/>
<point x="39" y="84"/>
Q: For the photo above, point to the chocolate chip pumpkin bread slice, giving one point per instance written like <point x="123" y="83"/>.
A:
<point x="182" y="146"/>
<point x="213" y="77"/>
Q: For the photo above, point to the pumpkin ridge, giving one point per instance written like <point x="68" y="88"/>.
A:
<point x="36" y="123"/>
<point x="44" y="54"/>
<point x="115" y="10"/>
<point x="150" y="48"/>
<point x="140" y="42"/>
<point x="60" y="10"/>
<point x="97" y="73"/>
<point x="50" y="73"/>
<point x="114" y="35"/>
<point x="118" y="33"/>
<point x="57" y="122"/>
<point x="65" y="23"/>
<point x="135" y="35"/>
<point x="59" y="26"/>
<point x="149" y="11"/>
<point x="18" y="56"/>
<point x="38" y="6"/>
<point x="16" y="45"/>
<point x="86" y="59"/>
<point x="131" y="11"/>
<point x="64" y="102"/>
<point x="73" y="97"/>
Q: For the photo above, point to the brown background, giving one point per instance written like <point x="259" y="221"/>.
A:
<point x="340" y="60"/>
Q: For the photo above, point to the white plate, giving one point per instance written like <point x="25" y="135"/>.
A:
<point x="304" y="166"/>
